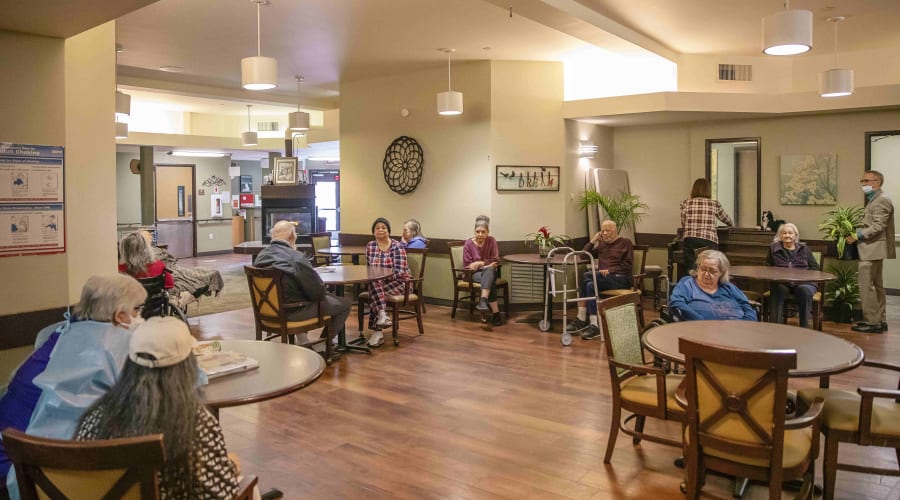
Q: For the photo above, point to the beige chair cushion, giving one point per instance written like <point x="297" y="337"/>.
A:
<point x="642" y="390"/>
<point x="399" y="298"/>
<point x="364" y="295"/>
<point x="617" y="292"/>
<point x="295" y="324"/>
<point x="841" y="411"/>
<point x="796" y="448"/>
<point x="475" y="284"/>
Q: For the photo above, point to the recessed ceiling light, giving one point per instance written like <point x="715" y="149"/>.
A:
<point x="171" y="69"/>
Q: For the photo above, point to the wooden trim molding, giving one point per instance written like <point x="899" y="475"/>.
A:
<point x="20" y="329"/>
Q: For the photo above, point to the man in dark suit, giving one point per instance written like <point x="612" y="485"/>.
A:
<point x="302" y="282"/>
<point x="876" y="243"/>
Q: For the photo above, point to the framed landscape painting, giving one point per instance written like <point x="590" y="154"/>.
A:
<point x="809" y="179"/>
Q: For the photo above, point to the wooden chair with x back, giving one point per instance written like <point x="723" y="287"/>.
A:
<point x="464" y="287"/>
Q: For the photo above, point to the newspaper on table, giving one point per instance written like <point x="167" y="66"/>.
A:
<point x="217" y="363"/>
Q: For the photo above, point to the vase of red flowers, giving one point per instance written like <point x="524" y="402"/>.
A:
<point x="544" y="241"/>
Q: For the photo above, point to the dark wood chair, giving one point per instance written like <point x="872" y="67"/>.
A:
<point x="857" y="418"/>
<point x="637" y="386"/>
<point x="400" y="304"/>
<point x="464" y="284"/>
<point x="637" y="279"/>
<point x="736" y="423"/>
<point x="270" y="311"/>
<point x="62" y="469"/>
<point x="318" y="242"/>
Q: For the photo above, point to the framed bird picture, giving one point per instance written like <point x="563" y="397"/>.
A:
<point x="526" y="178"/>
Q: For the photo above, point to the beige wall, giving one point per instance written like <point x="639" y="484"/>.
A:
<point x="577" y="167"/>
<point x="64" y="96"/>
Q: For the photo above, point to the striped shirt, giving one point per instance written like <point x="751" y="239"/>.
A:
<point x="698" y="217"/>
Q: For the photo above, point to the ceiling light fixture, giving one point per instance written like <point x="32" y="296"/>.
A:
<point x="449" y="102"/>
<point x="836" y="82"/>
<point x="201" y="154"/>
<point x="298" y="120"/>
<point x="123" y="101"/>
<point x="259" y="73"/>
<point x="787" y="33"/>
<point x="249" y="138"/>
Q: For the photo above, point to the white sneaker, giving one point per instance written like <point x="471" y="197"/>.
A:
<point x="376" y="339"/>
<point x="383" y="319"/>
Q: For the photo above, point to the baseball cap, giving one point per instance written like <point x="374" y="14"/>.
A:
<point x="160" y="342"/>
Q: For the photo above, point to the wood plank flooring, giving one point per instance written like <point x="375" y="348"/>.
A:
<point x="464" y="412"/>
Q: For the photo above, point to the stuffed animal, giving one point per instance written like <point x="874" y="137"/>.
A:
<point x="768" y="222"/>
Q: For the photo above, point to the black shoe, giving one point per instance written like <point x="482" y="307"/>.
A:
<point x="272" y="494"/>
<point x="497" y="320"/>
<point x="482" y="305"/>
<point x="591" y="333"/>
<point x="576" y="325"/>
<point x="868" y="329"/>
<point x="884" y="326"/>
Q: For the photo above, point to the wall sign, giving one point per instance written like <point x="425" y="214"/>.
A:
<point x="32" y="199"/>
<point x="525" y="178"/>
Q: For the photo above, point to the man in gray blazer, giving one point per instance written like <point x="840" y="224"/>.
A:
<point x="876" y="243"/>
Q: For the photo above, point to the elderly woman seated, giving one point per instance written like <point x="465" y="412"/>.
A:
<point x="482" y="255"/>
<point x="788" y="251"/>
<point x="385" y="253"/>
<point x="412" y="235"/>
<point x="707" y="294"/>
<point x="136" y="260"/>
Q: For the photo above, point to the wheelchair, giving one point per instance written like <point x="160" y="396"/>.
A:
<point x="158" y="302"/>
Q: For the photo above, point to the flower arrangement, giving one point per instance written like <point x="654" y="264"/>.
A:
<point x="544" y="240"/>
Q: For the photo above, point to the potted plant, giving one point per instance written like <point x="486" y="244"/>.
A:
<point x="843" y="291"/>
<point x="839" y="223"/>
<point x="626" y="209"/>
<point x="544" y="241"/>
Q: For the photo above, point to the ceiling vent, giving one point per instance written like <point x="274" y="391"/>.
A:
<point x="735" y="72"/>
<point x="267" y="126"/>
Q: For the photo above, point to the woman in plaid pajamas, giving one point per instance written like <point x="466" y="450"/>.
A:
<point x="389" y="254"/>
<point x="698" y="217"/>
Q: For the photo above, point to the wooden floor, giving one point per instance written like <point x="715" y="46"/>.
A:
<point x="463" y="412"/>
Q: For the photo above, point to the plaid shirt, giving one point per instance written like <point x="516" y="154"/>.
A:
<point x="394" y="258"/>
<point x="698" y="217"/>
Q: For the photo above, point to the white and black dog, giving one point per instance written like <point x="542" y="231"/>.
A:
<point x="768" y="222"/>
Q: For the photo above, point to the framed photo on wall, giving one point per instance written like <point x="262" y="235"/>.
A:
<point x="246" y="183"/>
<point x="285" y="170"/>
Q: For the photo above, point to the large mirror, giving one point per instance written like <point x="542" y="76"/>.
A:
<point x="733" y="168"/>
<point x="883" y="155"/>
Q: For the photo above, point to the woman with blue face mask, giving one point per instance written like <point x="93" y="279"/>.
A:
<point x="74" y="363"/>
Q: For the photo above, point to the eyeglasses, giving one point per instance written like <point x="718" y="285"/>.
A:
<point x="139" y="308"/>
<point x="866" y="181"/>
<point x="708" y="270"/>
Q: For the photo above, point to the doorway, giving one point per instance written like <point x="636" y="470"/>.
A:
<point x="175" y="209"/>
<point x="328" y="197"/>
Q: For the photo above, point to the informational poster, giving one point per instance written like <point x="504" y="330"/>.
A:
<point x="32" y="199"/>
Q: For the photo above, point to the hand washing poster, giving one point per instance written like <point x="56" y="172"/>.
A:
<point x="32" y="199"/>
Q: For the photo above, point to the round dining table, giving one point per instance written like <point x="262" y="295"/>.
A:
<point x="351" y="275"/>
<point x="776" y="274"/>
<point x="283" y="369"/>
<point x="818" y="353"/>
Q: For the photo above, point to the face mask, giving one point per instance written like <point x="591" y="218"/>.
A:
<point x="867" y="189"/>
<point x="135" y="322"/>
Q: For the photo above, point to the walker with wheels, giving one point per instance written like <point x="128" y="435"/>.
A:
<point x="572" y="257"/>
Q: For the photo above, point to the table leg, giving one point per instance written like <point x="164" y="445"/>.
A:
<point x="353" y="345"/>
<point x="548" y="299"/>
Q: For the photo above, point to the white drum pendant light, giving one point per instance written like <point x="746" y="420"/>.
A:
<point x="787" y="33"/>
<point x="123" y="103"/>
<point x="449" y="102"/>
<point x="248" y="138"/>
<point x="836" y="82"/>
<point x="121" y="130"/>
<point x="298" y="120"/>
<point x="259" y="73"/>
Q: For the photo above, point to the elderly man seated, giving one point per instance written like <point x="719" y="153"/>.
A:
<point x="302" y="282"/>
<point x="613" y="257"/>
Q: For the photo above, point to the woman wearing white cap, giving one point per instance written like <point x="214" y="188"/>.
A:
<point x="157" y="394"/>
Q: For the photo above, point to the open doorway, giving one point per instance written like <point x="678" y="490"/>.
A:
<point x="328" y="197"/>
<point x="175" y="209"/>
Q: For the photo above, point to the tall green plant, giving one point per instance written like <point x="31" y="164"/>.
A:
<point x="843" y="290"/>
<point x="839" y="223"/>
<point x="625" y="209"/>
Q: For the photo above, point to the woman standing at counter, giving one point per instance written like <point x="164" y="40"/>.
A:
<point x="698" y="218"/>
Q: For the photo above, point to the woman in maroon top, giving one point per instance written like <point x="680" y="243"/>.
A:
<point x="135" y="260"/>
<point x="481" y="254"/>
<point x="389" y="254"/>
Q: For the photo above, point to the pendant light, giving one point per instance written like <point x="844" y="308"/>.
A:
<point x="787" y="33"/>
<point x="449" y="102"/>
<point x="298" y="120"/>
<point x="123" y="103"/>
<point x="248" y="138"/>
<point x="836" y="82"/>
<point x="259" y="73"/>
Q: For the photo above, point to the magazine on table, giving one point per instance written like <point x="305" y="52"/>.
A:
<point x="217" y="363"/>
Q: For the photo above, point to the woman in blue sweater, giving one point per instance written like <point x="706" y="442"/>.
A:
<point x="707" y="294"/>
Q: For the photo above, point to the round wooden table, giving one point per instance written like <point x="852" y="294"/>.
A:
<point x="283" y="368"/>
<point x="354" y="251"/>
<point x="254" y="247"/>
<point x="818" y="353"/>
<point x="352" y="275"/>
<point x="534" y="259"/>
<point x="775" y="274"/>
